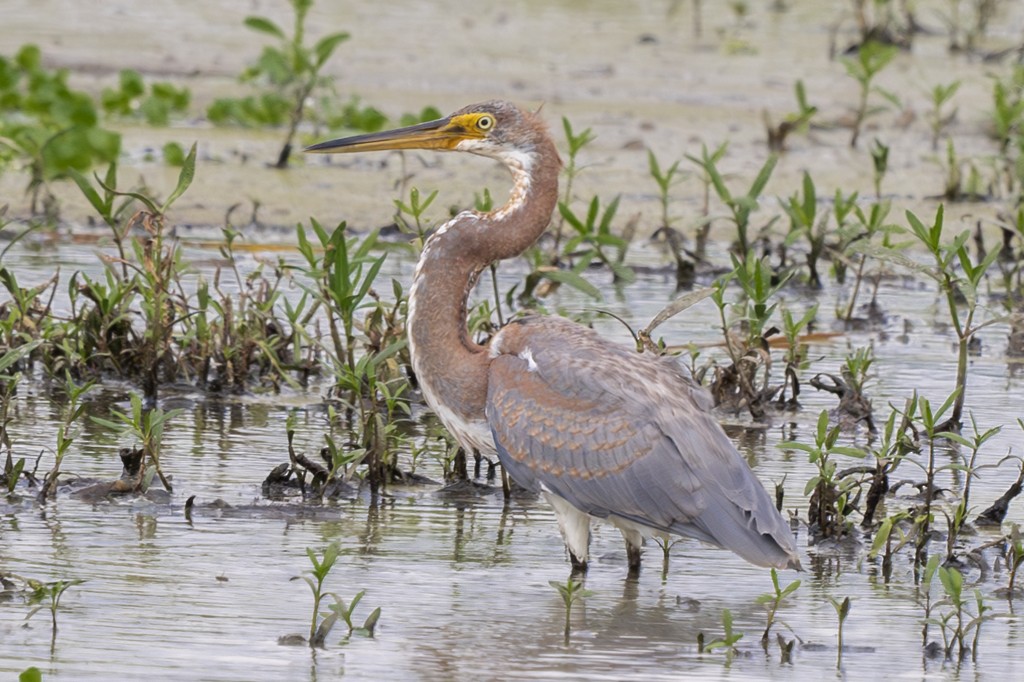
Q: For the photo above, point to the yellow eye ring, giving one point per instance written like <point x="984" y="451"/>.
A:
<point x="485" y="123"/>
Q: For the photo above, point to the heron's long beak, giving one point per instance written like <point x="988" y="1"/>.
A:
<point x="443" y="133"/>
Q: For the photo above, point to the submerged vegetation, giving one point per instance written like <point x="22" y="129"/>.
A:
<point x="894" y="484"/>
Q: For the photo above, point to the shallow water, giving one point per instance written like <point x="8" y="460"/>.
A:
<point x="463" y="584"/>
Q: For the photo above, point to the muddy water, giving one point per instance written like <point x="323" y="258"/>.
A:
<point x="463" y="583"/>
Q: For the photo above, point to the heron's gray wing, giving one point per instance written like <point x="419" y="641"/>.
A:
<point x="616" y="433"/>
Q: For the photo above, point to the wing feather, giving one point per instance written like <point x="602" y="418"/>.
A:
<point x="616" y="433"/>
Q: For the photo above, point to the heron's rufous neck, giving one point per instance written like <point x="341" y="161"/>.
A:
<point x="450" y="366"/>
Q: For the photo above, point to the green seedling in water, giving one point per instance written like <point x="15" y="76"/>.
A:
<point x="869" y="61"/>
<point x="707" y="160"/>
<point x="47" y="596"/>
<point x="414" y="208"/>
<point x="343" y="274"/>
<point x="576" y="142"/>
<point x="664" y="179"/>
<point x="879" y="165"/>
<point x="804" y="223"/>
<point x="727" y="641"/>
<point x="738" y="384"/>
<point x="792" y="328"/>
<point x="957" y="186"/>
<point x="291" y="71"/>
<point x="969" y="466"/>
<point x="941" y="95"/>
<point x="883" y="542"/>
<point x="961" y="292"/>
<point x="157" y="266"/>
<point x="570" y="591"/>
<point x="795" y="122"/>
<point x="65" y="434"/>
<point x="842" y="612"/>
<point x="147" y="426"/>
<point x="1008" y="107"/>
<point x="827" y="493"/>
<point x="857" y="240"/>
<point x="772" y="600"/>
<point x="102" y="201"/>
<point x="9" y="379"/>
<point x="929" y="420"/>
<point x="344" y="611"/>
<point x="666" y="543"/>
<point x="740" y="207"/>
<point x="958" y="623"/>
<point x="1014" y="559"/>
<point x="594" y="237"/>
<point x="320" y="627"/>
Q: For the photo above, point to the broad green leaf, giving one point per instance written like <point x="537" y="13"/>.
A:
<point x="185" y="177"/>
<point x="264" y="25"/>
<point x="572" y="279"/>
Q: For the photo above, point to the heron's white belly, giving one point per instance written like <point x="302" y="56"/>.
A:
<point x="472" y="434"/>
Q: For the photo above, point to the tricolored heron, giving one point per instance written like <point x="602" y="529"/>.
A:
<point x="599" y="429"/>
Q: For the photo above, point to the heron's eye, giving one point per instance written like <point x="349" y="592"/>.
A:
<point x="485" y="123"/>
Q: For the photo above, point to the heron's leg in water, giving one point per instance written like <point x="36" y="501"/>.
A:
<point x="634" y="542"/>
<point x="575" y="527"/>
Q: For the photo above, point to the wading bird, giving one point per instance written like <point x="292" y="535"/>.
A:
<point x="600" y="430"/>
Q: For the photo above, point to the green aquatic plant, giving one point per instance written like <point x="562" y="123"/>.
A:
<point x="968" y="465"/>
<point x="321" y="623"/>
<point x="857" y="243"/>
<point x="594" y="239"/>
<point x="1014" y="555"/>
<point x="829" y="495"/>
<point x="842" y="612"/>
<point x="320" y="626"/>
<point x="879" y="165"/>
<point x="344" y="611"/>
<point x="570" y="591"/>
<point x="727" y="641"/>
<point x="1008" y="108"/>
<point x="576" y="142"/>
<point x="49" y="127"/>
<point x="146" y="425"/>
<point x="155" y="104"/>
<point x="941" y="95"/>
<point x="48" y="596"/>
<point x="889" y="539"/>
<point x="773" y="600"/>
<point x="10" y="377"/>
<point x="799" y="121"/>
<point x="707" y="159"/>
<point x="804" y="224"/>
<point x="934" y="427"/>
<point x="31" y="674"/>
<point x="289" y="72"/>
<point x="73" y="408"/>
<point x="796" y="353"/>
<point x="871" y="58"/>
<point x="342" y="270"/>
<point x="960" y="278"/>
<point x="664" y="179"/>
<point x="415" y="208"/>
<point x="740" y="206"/>
<point x="961" y="629"/>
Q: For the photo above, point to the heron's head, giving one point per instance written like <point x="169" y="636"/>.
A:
<point x="497" y="129"/>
